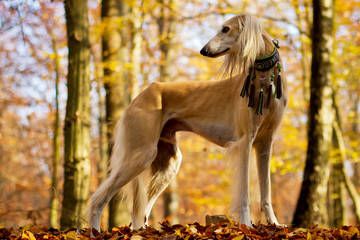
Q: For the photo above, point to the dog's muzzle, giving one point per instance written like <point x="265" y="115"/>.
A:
<point x="205" y="51"/>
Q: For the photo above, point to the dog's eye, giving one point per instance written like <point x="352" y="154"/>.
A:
<point x="225" y="29"/>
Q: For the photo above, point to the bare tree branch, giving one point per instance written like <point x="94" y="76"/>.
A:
<point x="21" y="23"/>
<point x="284" y="20"/>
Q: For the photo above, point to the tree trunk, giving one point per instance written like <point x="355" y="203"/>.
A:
<point x="337" y="185"/>
<point x="311" y="206"/>
<point x="102" y="164"/>
<point x="136" y="44"/>
<point x="336" y="192"/>
<point x="103" y="145"/>
<point x="77" y="119"/>
<point x="354" y="185"/>
<point x="354" y="136"/>
<point x="171" y="202"/>
<point x="354" y="195"/>
<point x="303" y="47"/>
<point x="115" y="56"/>
<point x="167" y="30"/>
<point x="350" y="187"/>
<point x="54" y="202"/>
<point x="341" y="180"/>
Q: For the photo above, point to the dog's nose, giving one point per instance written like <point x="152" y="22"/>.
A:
<point x="204" y="51"/>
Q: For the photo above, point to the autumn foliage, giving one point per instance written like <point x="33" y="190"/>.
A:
<point x="32" y="44"/>
<point x="226" y="230"/>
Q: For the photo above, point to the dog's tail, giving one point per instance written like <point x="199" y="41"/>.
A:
<point x="139" y="202"/>
<point x="135" y="190"/>
<point x="110" y="186"/>
<point x="121" y="174"/>
<point x="118" y="143"/>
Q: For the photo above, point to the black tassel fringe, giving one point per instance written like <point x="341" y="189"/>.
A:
<point x="278" y="87"/>
<point x="245" y="86"/>
<point x="269" y="97"/>
<point x="259" y="107"/>
<point x="252" y="96"/>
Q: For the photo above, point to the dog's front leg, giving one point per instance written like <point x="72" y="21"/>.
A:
<point x="263" y="154"/>
<point x="240" y="201"/>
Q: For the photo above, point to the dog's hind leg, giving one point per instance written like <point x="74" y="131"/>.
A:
<point x="263" y="154"/>
<point x="164" y="168"/>
<point x="139" y="202"/>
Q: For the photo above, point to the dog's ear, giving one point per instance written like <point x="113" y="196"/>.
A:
<point x="250" y="38"/>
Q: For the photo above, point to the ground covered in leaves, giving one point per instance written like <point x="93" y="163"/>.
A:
<point x="190" y="231"/>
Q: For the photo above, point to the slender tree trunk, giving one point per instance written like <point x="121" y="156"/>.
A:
<point x="136" y="44"/>
<point x="350" y="187"/>
<point x="103" y="159"/>
<point x="336" y="196"/>
<point x="355" y="135"/>
<point x="336" y="189"/>
<point x="102" y="165"/>
<point x="311" y="206"/>
<point x="171" y="202"/>
<point x="54" y="202"/>
<point x="354" y="185"/>
<point x="167" y="30"/>
<point x="115" y="56"/>
<point x="339" y="144"/>
<point x="339" y="176"/>
<point x="303" y="48"/>
<point x="354" y="195"/>
<point x="77" y="119"/>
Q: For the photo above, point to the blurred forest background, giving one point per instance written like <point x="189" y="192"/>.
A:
<point x="128" y="45"/>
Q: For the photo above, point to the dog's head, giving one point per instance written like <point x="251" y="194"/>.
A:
<point x="240" y="39"/>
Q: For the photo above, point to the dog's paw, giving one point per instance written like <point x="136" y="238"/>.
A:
<point x="242" y="217"/>
<point x="248" y="223"/>
<point x="281" y="225"/>
<point x="278" y="225"/>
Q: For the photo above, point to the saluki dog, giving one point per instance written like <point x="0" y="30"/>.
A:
<point x="145" y="136"/>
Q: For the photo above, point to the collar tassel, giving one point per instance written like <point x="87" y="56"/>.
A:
<point x="246" y="84"/>
<point x="263" y="65"/>
<point x="252" y="96"/>
<point x="279" y="83"/>
<point x="269" y="96"/>
<point x="272" y="77"/>
<point x="259" y="107"/>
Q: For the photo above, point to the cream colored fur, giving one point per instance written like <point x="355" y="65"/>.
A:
<point x="146" y="134"/>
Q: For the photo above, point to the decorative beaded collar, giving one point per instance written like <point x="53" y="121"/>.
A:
<point x="263" y="65"/>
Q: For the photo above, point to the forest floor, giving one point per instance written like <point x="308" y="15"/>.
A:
<point x="226" y="230"/>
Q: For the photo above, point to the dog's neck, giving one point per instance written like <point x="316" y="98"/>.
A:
<point x="269" y="46"/>
<point x="265" y="72"/>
